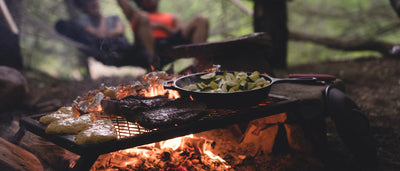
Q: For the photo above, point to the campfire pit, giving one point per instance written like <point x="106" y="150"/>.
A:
<point x="131" y="134"/>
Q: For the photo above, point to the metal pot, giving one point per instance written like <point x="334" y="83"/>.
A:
<point x="242" y="98"/>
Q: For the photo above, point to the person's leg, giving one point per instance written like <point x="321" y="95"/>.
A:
<point x="197" y="30"/>
<point x="142" y="33"/>
<point x="144" y="38"/>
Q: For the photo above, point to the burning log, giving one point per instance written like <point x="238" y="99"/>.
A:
<point x="182" y="153"/>
<point x="262" y="130"/>
<point x="272" y="131"/>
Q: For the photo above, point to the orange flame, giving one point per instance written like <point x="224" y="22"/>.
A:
<point x="174" y="143"/>
<point x="72" y="164"/>
<point x="210" y="70"/>
<point x="172" y="94"/>
<point x="156" y="89"/>
<point x="150" y="156"/>
<point x="99" y="108"/>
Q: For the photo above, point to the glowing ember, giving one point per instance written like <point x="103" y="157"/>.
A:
<point x="99" y="108"/>
<point x="172" y="94"/>
<point x="174" y="143"/>
<point x="126" y="90"/>
<point x="181" y="153"/>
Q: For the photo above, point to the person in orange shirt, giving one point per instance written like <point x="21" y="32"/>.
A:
<point x="157" y="31"/>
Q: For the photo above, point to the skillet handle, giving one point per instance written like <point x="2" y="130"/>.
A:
<point x="321" y="77"/>
<point x="296" y="80"/>
<point x="170" y="85"/>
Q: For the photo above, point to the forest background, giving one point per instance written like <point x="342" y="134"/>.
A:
<point x="346" y="20"/>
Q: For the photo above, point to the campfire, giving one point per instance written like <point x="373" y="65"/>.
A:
<point x="181" y="144"/>
<point x="181" y="153"/>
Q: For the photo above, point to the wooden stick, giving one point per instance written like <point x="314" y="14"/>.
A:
<point x="8" y="17"/>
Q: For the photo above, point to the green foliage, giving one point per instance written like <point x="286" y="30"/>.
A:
<point x="344" y="19"/>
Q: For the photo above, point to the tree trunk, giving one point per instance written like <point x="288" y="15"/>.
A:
<point x="396" y="6"/>
<point x="10" y="52"/>
<point x="270" y="16"/>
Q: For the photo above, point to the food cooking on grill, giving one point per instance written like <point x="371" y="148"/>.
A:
<point x="62" y="113"/>
<point x="154" y="112"/>
<point x="170" y="114"/>
<point x="69" y="125"/>
<point x="98" y="131"/>
<point x="132" y="104"/>
<point x="90" y="131"/>
<point x="228" y="82"/>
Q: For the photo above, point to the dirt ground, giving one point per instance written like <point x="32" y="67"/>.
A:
<point x="373" y="83"/>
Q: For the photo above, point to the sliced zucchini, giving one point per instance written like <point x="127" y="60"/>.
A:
<point x="231" y="83"/>
<point x="241" y="75"/>
<point x="242" y="84"/>
<point x="250" y="85"/>
<point x="201" y="85"/>
<point x="233" y="89"/>
<point x="191" y="87"/>
<point x="213" y="85"/>
<point x="208" y="76"/>
<point x="254" y="76"/>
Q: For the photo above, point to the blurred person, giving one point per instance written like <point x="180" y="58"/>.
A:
<point x="105" y="34"/>
<point x="160" y="31"/>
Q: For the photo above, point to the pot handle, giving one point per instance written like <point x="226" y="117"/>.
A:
<point x="321" y="77"/>
<point x="295" y="80"/>
<point x="170" y="85"/>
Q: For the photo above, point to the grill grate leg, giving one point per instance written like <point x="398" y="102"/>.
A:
<point x="85" y="162"/>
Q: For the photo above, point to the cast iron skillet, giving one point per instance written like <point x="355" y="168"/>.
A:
<point x="242" y="98"/>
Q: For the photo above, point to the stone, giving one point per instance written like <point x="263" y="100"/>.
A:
<point x="13" y="89"/>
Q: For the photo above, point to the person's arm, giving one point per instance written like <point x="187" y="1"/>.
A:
<point x="127" y="9"/>
<point x="118" y="30"/>
<point x="99" y="31"/>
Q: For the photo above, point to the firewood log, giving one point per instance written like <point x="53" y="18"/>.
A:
<point x="16" y="158"/>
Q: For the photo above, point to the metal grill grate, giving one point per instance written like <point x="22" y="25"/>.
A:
<point x="123" y="127"/>
<point x="126" y="128"/>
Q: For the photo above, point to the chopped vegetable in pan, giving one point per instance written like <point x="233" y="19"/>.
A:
<point x="228" y="82"/>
